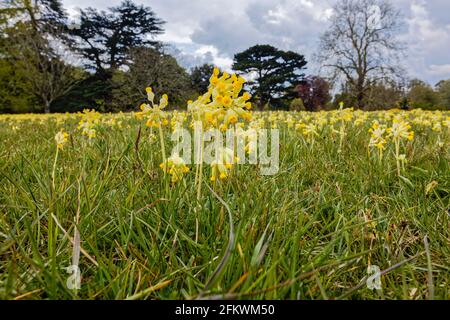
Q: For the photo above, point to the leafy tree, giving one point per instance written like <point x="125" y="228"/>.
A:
<point x="106" y="37"/>
<point x="200" y="77"/>
<point x="44" y="15"/>
<point x="29" y="47"/>
<point x="443" y="88"/>
<point x="382" y="95"/>
<point x="314" y="92"/>
<point x="272" y="73"/>
<point x="15" y="95"/>
<point x="360" y="46"/>
<point x="297" y="105"/>
<point x="148" y="67"/>
<point x="421" y="95"/>
<point x="385" y="95"/>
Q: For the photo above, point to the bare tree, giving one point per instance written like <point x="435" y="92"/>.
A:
<point x="360" y="47"/>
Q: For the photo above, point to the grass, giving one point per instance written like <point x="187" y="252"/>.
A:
<point x="308" y="232"/>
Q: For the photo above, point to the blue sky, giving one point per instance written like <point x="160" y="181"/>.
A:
<point x="213" y="31"/>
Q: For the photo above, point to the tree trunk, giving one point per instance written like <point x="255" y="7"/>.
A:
<point x="47" y="107"/>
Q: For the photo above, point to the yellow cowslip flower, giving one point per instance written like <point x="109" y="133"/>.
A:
<point x="154" y="112"/>
<point x="377" y="138"/>
<point x="175" y="166"/>
<point x="221" y="106"/>
<point x="250" y="136"/>
<point x="310" y="130"/>
<point x="89" y="120"/>
<point x="290" y="122"/>
<point x="400" y="129"/>
<point x="223" y="163"/>
<point x="61" y="138"/>
<point x="150" y="94"/>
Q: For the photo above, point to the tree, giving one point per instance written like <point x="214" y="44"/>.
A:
<point x="44" y="15"/>
<point x="297" y="105"/>
<point x="443" y="88"/>
<point x="272" y="73"/>
<point x="15" y="95"/>
<point x="314" y="92"/>
<point x="385" y="95"/>
<point x="106" y="37"/>
<point x="421" y="95"/>
<point x="360" y="47"/>
<point x="200" y="77"/>
<point x="148" y="67"/>
<point x="32" y="45"/>
<point x="48" y="76"/>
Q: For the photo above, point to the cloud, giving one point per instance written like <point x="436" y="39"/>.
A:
<point x="428" y="42"/>
<point x="441" y="70"/>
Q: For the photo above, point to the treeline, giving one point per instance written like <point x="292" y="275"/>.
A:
<point x="107" y="59"/>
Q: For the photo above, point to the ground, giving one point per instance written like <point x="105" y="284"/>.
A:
<point x="335" y="207"/>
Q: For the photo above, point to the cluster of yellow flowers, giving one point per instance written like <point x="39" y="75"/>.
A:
<point x="89" y="121"/>
<point x="221" y="166"/>
<point x="221" y="106"/>
<point x="61" y="138"/>
<point x="175" y="166"/>
<point x="399" y="130"/>
<point x="378" y="138"/>
<point x="224" y="106"/>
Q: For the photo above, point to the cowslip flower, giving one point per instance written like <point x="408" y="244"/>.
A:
<point x="400" y="130"/>
<point x="154" y="112"/>
<point x="61" y="138"/>
<point x="175" y="166"/>
<point x="222" y="164"/>
<point x="377" y="138"/>
<point x="89" y="121"/>
<point x="221" y="106"/>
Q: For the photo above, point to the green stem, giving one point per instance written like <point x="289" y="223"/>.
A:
<point x="200" y="174"/>
<point x="397" y="153"/>
<point x="163" y="148"/>
<point x="54" y="170"/>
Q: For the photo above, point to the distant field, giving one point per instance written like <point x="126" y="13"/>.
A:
<point x="354" y="189"/>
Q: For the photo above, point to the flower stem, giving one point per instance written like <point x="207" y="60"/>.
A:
<point x="397" y="154"/>
<point x="54" y="170"/>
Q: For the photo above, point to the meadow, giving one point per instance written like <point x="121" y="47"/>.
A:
<point x="354" y="190"/>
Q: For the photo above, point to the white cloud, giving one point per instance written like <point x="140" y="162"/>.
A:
<point x="429" y="44"/>
<point x="441" y="70"/>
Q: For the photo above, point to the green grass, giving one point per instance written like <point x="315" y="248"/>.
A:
<point x="308" y="232"/>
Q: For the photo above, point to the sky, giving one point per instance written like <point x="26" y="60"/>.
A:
<point x="212" y="31"/>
